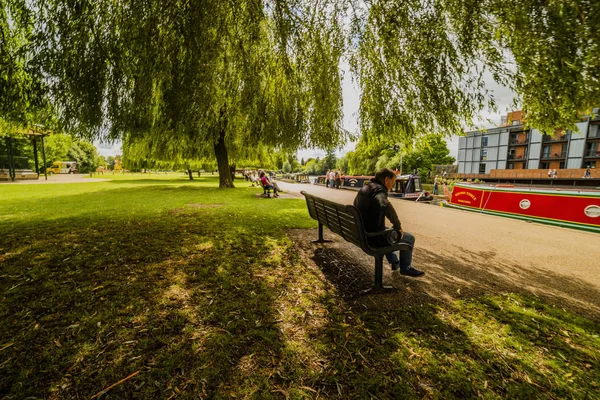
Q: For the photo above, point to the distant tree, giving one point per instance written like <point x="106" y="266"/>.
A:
<point x="57" y="147"/>
<point x="110" y="162"/>
<point x="286" y="167"/>
<point x="302" y="162"/>
<point x="310" y="167"/>
<point x="342" y="164"/>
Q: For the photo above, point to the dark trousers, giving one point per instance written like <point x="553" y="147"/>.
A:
<point x="405" y="255"/>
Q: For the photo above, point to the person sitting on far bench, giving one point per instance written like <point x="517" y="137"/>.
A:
<point x="255" y="181"/>
<point x="373" y="205"/>
<point x="267" y="184"/>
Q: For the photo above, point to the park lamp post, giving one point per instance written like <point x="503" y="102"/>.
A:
<point x="40" y="128"/>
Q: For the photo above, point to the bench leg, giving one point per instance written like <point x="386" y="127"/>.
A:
<point x="378" y="285"/>
<point x="321" y="240"/>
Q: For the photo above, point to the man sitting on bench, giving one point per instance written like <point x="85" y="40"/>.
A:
<point x="373" y="204"/>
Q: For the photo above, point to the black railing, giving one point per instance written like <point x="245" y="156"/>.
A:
<point x="517" y="158"/>
<point x="519" y="143"/>
<point x="554" y="156"/>
<point x="561" y="138"/>
<point x="592" y="153"/>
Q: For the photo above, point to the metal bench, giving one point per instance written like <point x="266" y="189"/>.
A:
<point x="346" y="221"/>
<point x="266" y="191"/>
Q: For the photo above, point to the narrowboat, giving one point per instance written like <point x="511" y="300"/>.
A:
<point x="568" y="207"/>
<point x="407" y="187"/>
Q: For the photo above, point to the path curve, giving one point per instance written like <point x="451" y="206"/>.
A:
<point x="543" y="259"/>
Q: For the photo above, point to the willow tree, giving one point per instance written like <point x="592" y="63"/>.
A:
<point x="204" y="76"/>
<point x="22" y="90"/>
<point x="222" y="73"/>
<point x="421" y="64"/>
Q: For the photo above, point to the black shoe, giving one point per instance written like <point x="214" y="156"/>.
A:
<point x="395" y="267"/>
<point x="411" y="271"/>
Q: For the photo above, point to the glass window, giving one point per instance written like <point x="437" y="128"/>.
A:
<point x="482" y="168"/>
<point x="546" y="151"/>
<point x="484" y="141"/>
<point x="483" y="154"/>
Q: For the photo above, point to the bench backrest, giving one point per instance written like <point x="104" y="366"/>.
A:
<point x="345" y="220"/>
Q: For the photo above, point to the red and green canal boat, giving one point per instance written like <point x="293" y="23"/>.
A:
<point x="573" y="208"/>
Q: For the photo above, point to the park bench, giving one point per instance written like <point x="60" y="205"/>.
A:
<point x="346" y="221"/>
<point x="266" y="190"/>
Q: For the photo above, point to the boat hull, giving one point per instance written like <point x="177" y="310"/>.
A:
<point x="578" y="209"/>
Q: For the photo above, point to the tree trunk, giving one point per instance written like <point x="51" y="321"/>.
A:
<point x="190" y="174"/>
<point x="223" y="162"/>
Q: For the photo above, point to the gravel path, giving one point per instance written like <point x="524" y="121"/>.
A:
<point x="466" y="253"/>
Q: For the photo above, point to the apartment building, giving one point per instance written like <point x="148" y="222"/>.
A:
<point x="512" y="146"/>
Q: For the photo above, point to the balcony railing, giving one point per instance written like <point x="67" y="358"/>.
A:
<point x="592" y="153"/>
<point x="518" y="142"/>
<point x="555" y="156"/>
<point x="512" y="157"/>
<point x="561" y="138"/>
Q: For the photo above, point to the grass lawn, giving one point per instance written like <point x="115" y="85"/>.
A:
<point x="187" y="291"/>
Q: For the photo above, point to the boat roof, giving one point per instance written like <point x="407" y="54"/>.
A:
<point x="530" y="188"/>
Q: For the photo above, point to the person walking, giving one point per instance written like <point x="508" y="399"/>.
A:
<point x="435" y="185"/>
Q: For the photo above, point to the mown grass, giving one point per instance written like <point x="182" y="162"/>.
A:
<point x="201" y="291"/>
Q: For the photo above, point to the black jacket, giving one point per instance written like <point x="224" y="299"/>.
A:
<point x="373" y="204"/>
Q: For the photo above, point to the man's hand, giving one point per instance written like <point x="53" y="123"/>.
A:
<point x="400" y="234"/>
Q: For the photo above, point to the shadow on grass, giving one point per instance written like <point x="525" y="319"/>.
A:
<point x="474" y="327"/>
<point x="208" y="299"/>
<point x="173" y="295"/>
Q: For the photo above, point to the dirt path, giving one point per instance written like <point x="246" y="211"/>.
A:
<point x="465" y="253"/>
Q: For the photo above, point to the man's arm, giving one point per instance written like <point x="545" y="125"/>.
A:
<point x="389" y="211"/>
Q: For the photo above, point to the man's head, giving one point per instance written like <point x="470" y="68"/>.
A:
<point x="387" y="177"/>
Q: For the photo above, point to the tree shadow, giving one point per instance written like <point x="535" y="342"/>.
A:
<point x="174" y="295"/>
<point x="460" y="275"/>
<point x="417" y="340"/>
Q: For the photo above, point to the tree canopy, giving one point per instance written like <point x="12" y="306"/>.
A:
<point x="216" y="78"/>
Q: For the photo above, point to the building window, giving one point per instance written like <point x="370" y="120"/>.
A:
<point x="589" y="164"/>
<point x="516" y="122"/>
<point x="592" y="149"/>
<point x="561" y="165"/>
<point x="511" y="166"/>
<point x="483" y="155"/>
<point x="546" y="151"/>
<point x="484" y="141"/>
<point x="545" y="165"/>
<point x="482" y="168"/>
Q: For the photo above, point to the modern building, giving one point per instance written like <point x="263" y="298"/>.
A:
<point x="513" y="150"/>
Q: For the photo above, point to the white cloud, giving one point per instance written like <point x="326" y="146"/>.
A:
<point x="109" y="149"/>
